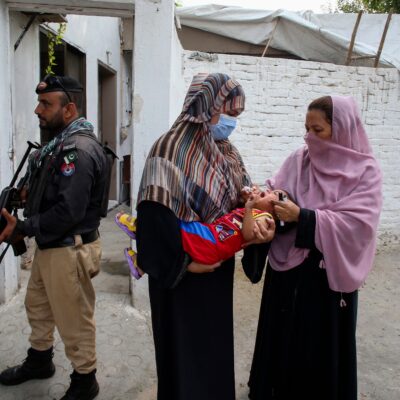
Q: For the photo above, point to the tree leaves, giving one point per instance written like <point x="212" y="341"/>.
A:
<point x="371" y="6"/>
<point x="53" y="41"/>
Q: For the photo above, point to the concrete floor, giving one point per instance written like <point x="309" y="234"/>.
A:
<point x="126" y="368"/>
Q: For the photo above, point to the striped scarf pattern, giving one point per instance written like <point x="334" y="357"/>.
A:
<point x="186" y="170"/>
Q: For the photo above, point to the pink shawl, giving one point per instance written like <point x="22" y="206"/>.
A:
<point x="341" y="180"/>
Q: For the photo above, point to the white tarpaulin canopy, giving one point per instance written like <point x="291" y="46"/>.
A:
<point x="317" y="37"/>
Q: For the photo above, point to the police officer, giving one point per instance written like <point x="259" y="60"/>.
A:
<point x="67" y="193"/>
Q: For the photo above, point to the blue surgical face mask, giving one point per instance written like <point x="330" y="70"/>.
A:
<point x="224" y="127"/>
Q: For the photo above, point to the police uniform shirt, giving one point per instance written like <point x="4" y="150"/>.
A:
<point x="75" y="184"/>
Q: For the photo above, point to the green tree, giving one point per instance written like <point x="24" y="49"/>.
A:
<point x="372" y="6"/>
<point x="350" y="6"/>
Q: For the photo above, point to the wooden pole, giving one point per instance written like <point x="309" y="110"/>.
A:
<point x="270" y="38"/>
<point x="378" y="55"/>
<point x="353" y="38"/>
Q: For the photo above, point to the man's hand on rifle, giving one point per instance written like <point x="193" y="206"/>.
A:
<point x="10" y="227"/>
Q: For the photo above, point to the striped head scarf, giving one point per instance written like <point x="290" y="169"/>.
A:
<point x="196" y="177"/>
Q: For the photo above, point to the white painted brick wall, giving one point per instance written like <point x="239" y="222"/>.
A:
<point x="277" y="94"/>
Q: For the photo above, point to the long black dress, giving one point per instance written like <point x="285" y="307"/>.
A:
<point x="192" y="314"/>
<point x="305" y="345"/>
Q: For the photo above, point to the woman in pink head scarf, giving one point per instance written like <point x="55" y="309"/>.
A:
<point x="306" y="339"/>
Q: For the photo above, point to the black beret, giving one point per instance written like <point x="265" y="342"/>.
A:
<point x="54" y="83"/>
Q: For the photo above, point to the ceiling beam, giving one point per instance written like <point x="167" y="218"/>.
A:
<point x="111" y="8"/>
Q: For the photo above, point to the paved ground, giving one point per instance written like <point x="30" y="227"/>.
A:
<point x="126" y="369"/>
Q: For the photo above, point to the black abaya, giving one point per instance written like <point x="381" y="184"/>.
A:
<point x="193" y="320"/>
<point x="305" y="344"/>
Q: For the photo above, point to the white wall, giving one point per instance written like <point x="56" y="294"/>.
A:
<point x="126" y="107"/>
<point x="159" y="86"/>
<point x="8" y="268"/>
<point x="158" y="81"/>
<point x="98" y="38"/>
<point x="154" y="62"/>
<point x="277" y="94"/>
<point x="177" y="83"/>
<point x="25" y="63"/>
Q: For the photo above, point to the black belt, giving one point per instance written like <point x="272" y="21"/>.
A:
<point x="68" y="241"/>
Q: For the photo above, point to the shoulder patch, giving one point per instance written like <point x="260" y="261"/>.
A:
<point x="71" y="157"/>
<point x="68" y="169"/>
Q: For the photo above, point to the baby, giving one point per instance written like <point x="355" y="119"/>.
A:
<point x="212" y="243"/>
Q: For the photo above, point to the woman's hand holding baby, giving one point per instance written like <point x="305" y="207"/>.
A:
<point x="198" y="268"/>
<point x="286" y="210"/>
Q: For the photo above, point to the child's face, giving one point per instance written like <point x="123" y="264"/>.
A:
<point x="265" y="201"/>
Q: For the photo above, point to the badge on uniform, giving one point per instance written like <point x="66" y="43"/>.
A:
<point x="68" y="169"/>
<point x="71" y="157"/>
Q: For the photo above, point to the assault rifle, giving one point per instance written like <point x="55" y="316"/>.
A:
<point x="10" y="199"/>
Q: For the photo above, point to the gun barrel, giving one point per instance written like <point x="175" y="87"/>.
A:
<point x="21" y="164"/>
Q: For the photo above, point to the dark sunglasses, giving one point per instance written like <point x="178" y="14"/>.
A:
<point x="51" y="80"/>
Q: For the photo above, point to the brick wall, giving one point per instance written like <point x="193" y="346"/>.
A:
<point x="277" y="94"/>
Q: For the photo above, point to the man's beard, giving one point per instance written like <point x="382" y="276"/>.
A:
<point x="52" y="128"/>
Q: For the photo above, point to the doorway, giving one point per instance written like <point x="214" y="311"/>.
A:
<point x="107" y="116"/>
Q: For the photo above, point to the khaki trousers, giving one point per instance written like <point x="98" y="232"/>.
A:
<point x="60" y="294"/>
